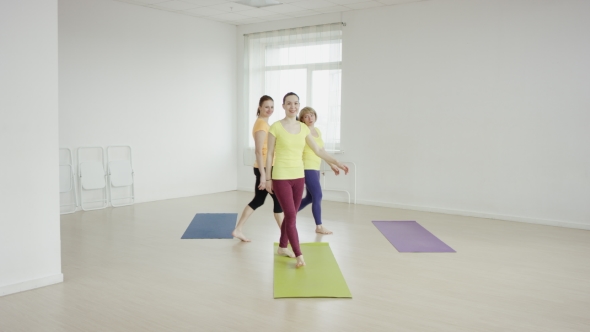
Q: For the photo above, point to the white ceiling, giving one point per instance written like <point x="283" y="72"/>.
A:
<point x="238" y="14"/>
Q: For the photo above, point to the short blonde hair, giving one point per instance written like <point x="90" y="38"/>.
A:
<point x="305" y="111"/>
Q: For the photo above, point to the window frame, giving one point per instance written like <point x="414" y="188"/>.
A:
<point x="273" y="41"/>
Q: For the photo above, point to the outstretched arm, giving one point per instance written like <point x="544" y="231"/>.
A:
<point x="323" y="154"/>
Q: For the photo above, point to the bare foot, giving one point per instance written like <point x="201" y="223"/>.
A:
<point x="300" y="261"/>
<point x="320" y="229"/>
<point x="238" y="234"/>
<point x="285" y="252"/>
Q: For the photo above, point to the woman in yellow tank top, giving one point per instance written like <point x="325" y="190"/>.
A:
<point x="286" y="141"/>
<point x="260" y="132"/>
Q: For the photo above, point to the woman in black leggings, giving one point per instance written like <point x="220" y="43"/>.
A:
<point x="260" y="133"/>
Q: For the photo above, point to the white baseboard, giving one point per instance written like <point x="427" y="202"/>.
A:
<point x="157" y="199"/>
<point x="31" y="284"/>
<point x="546" y="222"/>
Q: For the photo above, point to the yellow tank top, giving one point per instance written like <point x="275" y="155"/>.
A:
<point x="310" y="159"/>
<point x="288" y="152"/>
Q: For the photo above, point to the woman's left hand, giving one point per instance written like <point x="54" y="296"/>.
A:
<point x="343" y="167"/>
<point x="262" y="185"/>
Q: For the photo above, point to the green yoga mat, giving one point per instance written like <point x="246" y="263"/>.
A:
<point x="320" y="277"/>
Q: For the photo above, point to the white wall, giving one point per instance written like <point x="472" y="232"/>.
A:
<point x="161" y="82"/>
<point x="29" y="214"/>
<point x="470" y="107"/>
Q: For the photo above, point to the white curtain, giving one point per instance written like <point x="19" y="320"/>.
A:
<point x="306" y="61"/>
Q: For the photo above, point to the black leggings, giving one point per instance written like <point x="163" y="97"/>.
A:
<point x="260" y="196"/>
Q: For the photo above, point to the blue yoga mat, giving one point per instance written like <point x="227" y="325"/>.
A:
<point x="211" y="226"/>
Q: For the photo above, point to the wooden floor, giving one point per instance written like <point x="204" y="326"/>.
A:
<point x="126" y="269"/>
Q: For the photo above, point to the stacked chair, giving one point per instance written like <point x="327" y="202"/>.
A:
<point x="103" y="179"/>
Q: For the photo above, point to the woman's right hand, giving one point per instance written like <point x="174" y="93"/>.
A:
<point x="343" y="167"/>
<point x="269" y="186"/>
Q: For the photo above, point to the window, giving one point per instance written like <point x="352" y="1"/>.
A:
<point x="306" y="61"/>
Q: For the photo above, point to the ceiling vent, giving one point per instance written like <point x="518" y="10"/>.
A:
<point x="258" y="3"/>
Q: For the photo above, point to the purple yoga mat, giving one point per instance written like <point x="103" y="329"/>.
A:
<point x="410" y="236"/>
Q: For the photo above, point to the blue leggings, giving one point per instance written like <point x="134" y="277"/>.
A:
<point x="314" y="194"/>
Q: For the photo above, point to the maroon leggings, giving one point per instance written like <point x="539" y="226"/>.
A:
<point x="289" y="193"/>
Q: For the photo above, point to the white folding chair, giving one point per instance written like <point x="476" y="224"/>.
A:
<point x="92" y="177"/>
<point x="120" y="175"/>
<point x="67" y="183"/>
